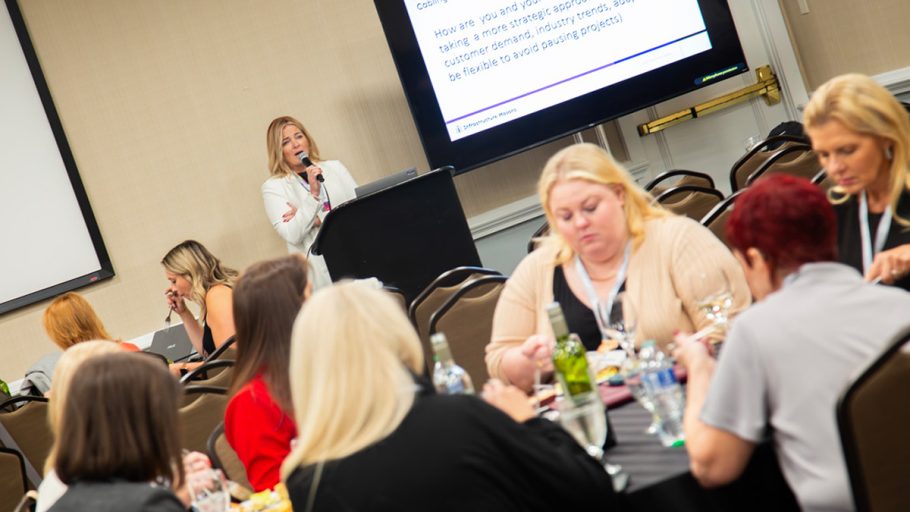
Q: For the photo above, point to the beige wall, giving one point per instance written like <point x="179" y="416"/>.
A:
<point x="165" y="104"/>
<point x="842" y="36"/>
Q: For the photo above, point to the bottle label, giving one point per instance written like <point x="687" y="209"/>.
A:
<point x="455" y="388"/>
<point x="662" y="378"/>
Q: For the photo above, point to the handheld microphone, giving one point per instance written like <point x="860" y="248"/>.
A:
<point x="305" y="160"/>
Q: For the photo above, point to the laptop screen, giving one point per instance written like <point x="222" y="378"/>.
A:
<point x="386" y="182"/>
<point x="172" y="343"/>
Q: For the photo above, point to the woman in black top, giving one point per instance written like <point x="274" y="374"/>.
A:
<point x="861" y="133"/>
<point x="369" y="438"/>
<point x="198" y="276"/>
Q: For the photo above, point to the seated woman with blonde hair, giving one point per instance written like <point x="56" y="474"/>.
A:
<point x="198" y="276"/>
<point x="371" y="439"/>
<point x="606" y="236"/>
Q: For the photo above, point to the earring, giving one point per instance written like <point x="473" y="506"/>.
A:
<point x="889" y="153"/>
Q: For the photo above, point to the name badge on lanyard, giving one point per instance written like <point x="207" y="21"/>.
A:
<point x="602" y="308"/>
<point x="881" y="232"/>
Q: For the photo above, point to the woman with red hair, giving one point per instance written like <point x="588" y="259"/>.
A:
<point x="788" y="357"/>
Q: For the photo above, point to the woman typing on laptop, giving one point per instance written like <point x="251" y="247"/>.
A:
<point x="302" y="189"/>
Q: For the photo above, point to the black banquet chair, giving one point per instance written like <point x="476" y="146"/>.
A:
<point x="872" y="417"/>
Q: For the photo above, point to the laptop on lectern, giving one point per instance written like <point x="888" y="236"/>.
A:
<point x="386" y="182"/>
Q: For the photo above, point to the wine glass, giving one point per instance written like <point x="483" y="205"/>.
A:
<point x="715" y="303"/>
<point x="586" y="419"/>
<point x="620" y="321"/>
<point x="541" y="389"/>
<point x="208" y="490"/>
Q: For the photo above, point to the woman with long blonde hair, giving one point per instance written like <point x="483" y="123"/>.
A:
<point x="302" y="189"/>
<point x="861" y="134"/>
<point x="195" y="274"/>
<point x="370" y="437"/>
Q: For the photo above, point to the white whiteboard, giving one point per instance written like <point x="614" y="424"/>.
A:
<point x="49" y="241"/>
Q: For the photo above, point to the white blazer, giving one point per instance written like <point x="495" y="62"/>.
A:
<point x="300" y="232"/>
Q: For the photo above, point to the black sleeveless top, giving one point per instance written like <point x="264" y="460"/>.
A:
<point x="580" y="318"/>
<point x="208" y="341"/>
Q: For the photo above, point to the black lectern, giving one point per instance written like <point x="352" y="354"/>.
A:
<point x="405" y="235"/>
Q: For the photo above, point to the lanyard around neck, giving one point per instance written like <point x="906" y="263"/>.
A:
<point x="602" y="308"/>
<point x="881" y="232"/>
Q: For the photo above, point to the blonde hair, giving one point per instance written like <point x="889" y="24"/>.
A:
<point x="64" y="371"/>
<point x="865" y="107"/>
<point x="591" y="163"/>
<point x="273" y="135"/>
<point x="70" y="319"/>
<point x="353" y="353"/>
<point x="203" y="270"/>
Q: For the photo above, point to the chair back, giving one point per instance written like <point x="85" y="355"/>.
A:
<point x="872" y="417"/>
<point x="199" y="417"/>
<point x="224" y="457"/>
<point x="436" y="293"/>
<point x="466" y="318"/>
<point x="716" y="219"/>
<point x="226" y="348"/>
<point x="216" y="373"/>
<point x="677" y="178"/>
<point x="748" y="163"/>
<point x="30" y="430"/>
<point x="541" y="232"/>
<point x="690" y="200"/>
<point x="823" y="180"/>
<point x="14" y="482"/>
<point x="795" y="160"/>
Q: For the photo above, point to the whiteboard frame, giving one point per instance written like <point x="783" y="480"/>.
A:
<point x="106" y="270"/>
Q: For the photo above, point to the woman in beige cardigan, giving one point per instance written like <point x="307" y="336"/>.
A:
<point x="606" y="236"/>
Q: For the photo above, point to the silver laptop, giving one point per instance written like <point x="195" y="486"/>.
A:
<point x="386" y="182"/>
<point x="172" y="343"/>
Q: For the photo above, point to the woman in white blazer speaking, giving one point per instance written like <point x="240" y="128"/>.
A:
<point x="302" y="189"/>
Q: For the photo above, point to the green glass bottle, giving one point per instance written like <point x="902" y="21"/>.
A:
<point x="569" y="359"/>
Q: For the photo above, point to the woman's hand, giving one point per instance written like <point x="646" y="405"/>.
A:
<point x="688" y="352"/>
<point x="521" y="362"/>
<point x="194" y="463"/>
<point x="175" y="301"/>
<point x="508" y="399"/>
<point x="315" y="186"/>
<point x="288" y="215"/>
<point x="890" y="265"/>
<point x="539" y="349"/>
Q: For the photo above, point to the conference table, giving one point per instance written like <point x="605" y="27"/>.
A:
<point x="659" y="477"/>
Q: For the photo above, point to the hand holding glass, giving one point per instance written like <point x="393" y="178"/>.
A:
<point x="208" y="490"/>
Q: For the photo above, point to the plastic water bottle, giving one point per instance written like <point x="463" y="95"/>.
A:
<point x="448" y="377"/>
<point x="666" y="396"/>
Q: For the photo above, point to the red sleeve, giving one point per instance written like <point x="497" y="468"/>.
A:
<point x="260" y="432"/>
<point x="129" y="347"/>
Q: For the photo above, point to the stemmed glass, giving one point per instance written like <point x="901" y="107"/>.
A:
<point x="715" y="304"/>
<point x="586" y="419"/>
<point x="619" y="322"/>
<point x="209" y="491"/>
